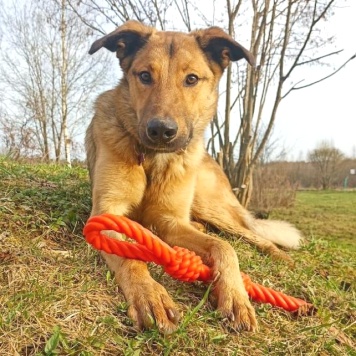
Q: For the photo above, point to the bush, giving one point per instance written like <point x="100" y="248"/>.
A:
<point x="272" y="189"/>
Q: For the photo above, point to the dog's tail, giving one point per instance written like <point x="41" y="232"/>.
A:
<point x="279" y="232"/>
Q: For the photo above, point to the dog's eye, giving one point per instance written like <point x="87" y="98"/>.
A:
<point x="191" y="80"/>
<point x="145" y="77"/>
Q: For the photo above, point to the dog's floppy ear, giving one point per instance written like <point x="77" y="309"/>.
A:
<point x="126" y="40"/>
<point x="221" y="47"/>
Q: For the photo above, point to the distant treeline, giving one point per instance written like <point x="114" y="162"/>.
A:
<point x="304" y="175"/>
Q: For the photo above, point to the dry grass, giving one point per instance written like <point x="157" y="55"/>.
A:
<point x="58" y="298"/>
<point x="271" y="189"/>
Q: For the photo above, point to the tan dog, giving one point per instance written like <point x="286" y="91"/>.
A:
<point x="147" y="161"/>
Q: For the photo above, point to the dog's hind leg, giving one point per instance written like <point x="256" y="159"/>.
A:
<point x="215" y="204"/>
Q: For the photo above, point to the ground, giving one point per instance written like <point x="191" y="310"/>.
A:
<point x="58" y="298"/>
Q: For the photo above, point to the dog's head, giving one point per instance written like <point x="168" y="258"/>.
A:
<point x="172" y="79"/>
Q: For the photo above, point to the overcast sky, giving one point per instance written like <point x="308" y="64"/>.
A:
<point x="325" y="111"/>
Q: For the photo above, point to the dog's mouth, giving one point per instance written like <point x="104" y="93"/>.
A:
<point x="177" y="145"/>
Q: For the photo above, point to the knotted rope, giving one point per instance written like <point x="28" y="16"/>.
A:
<point x="178" y="262"/>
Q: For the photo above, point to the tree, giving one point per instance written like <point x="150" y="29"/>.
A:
<point x="97" y="14"/>
<point x="284" y="36"/>
<point x="49" y="78"/>
<point x="326" y="159"/>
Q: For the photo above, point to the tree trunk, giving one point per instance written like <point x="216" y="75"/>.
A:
<point x="64" y="87"/>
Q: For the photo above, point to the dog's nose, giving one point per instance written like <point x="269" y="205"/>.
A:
<point x="162" y="130"/>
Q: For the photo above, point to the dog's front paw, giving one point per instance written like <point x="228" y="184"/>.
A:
<point x="234" y="306"/>
<point x="149" y="305"/>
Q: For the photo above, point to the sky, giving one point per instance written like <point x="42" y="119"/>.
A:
<point x="325" y="111"/>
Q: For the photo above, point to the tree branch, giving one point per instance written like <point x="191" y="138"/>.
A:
<point x="318" y="58"/>
<point x="320" y="80"/>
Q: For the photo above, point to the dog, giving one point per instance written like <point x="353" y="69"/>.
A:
<point x="147" y="161"/>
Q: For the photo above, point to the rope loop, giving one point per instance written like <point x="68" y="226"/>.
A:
<point x="187" y="266"/>
<point x="178" y="262"/>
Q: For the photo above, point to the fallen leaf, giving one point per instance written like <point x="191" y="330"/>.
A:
<point x="341" y="337"/>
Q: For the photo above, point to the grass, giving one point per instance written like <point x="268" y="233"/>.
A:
<point x="58" y="298"/>
<point x="313" y="209"/>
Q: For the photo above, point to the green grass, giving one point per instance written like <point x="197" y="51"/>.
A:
<point x="58" y="298"/>
<point x="325" y="214"/>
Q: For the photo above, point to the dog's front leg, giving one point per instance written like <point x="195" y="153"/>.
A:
<point x="148" y="301"/>
<point x="229" y="292"/>
<point x="117" y="192"/>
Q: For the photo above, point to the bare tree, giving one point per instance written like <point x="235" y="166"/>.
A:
<point x="17" y="138"/>
<point x="285" y="35"/>
<point x="49" y="79"/>
<point x="326" y="159"/>
<point x="24" y="78"/>
<point x="100" y="15"/>
<point x="64" y="80"/>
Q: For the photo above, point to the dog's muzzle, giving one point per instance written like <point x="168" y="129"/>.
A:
<point x="161" y="131"/>
<point x="164" y="135"/>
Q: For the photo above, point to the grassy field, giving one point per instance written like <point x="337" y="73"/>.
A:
<point x="58" y="298"/>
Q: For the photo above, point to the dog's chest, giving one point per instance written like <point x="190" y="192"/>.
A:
<point x="164" y="169"/>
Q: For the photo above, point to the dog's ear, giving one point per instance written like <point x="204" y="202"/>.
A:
<point x="126" y="40"/>
<point x="221" y="47"/>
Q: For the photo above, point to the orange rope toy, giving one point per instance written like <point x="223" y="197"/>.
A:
<point x="178" y="262"/>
